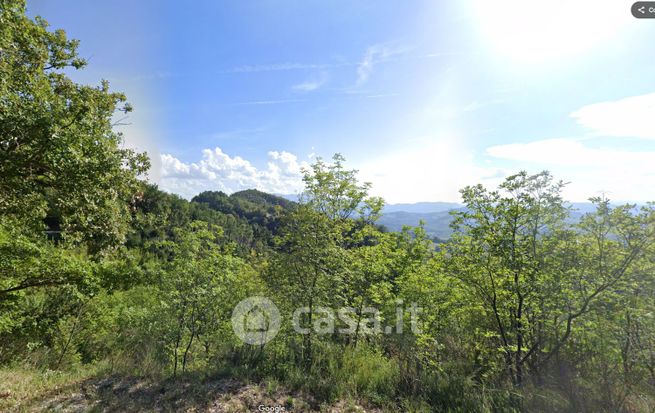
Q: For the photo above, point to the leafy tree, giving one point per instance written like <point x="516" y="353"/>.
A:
<point x="201" y="285"/>
<point x="309" y="263"/>
<point x="335" y="191"/>
<point x="147" y="280"/>
<point x="26" y="263"/>
<point x="534" y="276"/>
<point x="314" y="266"/>
<point x="59" y="155"/>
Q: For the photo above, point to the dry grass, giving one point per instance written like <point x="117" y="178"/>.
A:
<point x="20" y="387"/>
<point x="87" y="391"/>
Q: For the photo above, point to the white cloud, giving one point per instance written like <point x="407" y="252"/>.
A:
<point x="619" y="173"/>
<point x="437" y="168"/>
<point x="433" y="170"/>
<point x="219" y="171"/>
<point x="568" y="152"/>
<point x="629" y="117"/>
<point x="312" y="83"/>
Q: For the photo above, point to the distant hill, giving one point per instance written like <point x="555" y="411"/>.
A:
<point x="581" y="208"/>
<point x="437" y="224"/>
<point x="437" y="218"/>
<point x="263" y="198"/>
<point x="290" y="197"/>
<point x="421" y="207"/>
<point x="260" y="210"/>
<point x="242" y="203"/>
<point x="436" y="215"/>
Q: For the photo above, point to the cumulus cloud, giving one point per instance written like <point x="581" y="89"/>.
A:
<point x="436" y="168"/>
<point x="219" y="171"/>
<point x="628" y="117"/>
<point x="431" y="170"/>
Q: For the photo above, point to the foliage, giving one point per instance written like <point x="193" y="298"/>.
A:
<point x="524" y="308"/>
<point x="59" y="155"/>
<point x="260" y="212"/>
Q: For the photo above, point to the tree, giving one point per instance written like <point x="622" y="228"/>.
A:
<point x="314" y="266"/>
<point x="307" y="266"/>
<point x="335" y="191"/>
<point x="534" y="274"/>
<point x="201" y="284"/>
<point x="59" y="155"/>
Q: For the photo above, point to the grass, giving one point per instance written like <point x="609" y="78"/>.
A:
<point x="340" y="380"/>
<point x="94" y="389"/>
<point x="20" y="386"/>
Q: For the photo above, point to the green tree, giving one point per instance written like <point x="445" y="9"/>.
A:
<point x="201" y="284"/>
<point x="335" y="192"/>
<point x="59" y="155"/>
<point x="535" y="275"/>
<point x="307" y="266"/>
<point x="314" y="267"/>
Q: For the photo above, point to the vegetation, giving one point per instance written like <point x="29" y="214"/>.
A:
<point x="104" y="275"/>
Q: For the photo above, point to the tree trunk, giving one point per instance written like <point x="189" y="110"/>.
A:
<point x="193" y="334"/>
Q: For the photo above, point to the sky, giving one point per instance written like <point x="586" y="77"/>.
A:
<point x="423" y="97"/>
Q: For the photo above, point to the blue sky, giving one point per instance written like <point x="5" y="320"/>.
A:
<point x="423" y="97"/>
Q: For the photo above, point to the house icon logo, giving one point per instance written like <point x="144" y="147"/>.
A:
<point x="256" y="320"/>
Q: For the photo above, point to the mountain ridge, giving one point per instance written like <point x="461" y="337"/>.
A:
<point x="435" y="215"/>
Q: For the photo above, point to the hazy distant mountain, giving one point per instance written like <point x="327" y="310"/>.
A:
<point x="437" y="218"/>
<point x="436" y="215"/>
<point x="417" y="207"/>
<point x="581" y="208"/>
<point x="421" y="207"/>
<point x="290" y="197"/>
<point x="437" y="224"/>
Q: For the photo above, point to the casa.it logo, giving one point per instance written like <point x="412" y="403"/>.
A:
<point x="256" y="320"/>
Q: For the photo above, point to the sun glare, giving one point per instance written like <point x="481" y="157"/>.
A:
<point x="536" y="32"/>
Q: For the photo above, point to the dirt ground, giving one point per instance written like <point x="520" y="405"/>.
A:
<point x="117" y="394"/>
